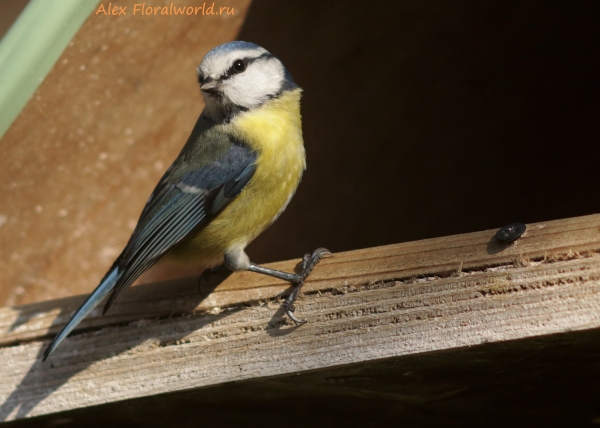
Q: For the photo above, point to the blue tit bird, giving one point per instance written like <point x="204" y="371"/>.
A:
<point x="233" y="178"/>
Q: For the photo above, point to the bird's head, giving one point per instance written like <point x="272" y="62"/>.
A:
<point x="239" y="76"/>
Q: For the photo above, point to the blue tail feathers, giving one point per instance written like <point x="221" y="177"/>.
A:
<point x="105" y="287"/>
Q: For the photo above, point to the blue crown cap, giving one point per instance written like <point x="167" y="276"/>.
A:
<point x="238" y="45"/>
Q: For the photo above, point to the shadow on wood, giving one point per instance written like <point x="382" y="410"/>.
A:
<point x="396" y="301"/>
<point x="119" y="315"/>
<point x="548" y="381"/>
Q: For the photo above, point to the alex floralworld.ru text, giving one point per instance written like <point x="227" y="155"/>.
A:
<point x="172" y="9"/>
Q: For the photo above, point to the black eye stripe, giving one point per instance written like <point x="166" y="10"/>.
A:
<point x="247" y="61"/>
<point x="263" y="56"/>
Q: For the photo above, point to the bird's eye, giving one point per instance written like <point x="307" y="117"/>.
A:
<point x="200" y="78"/>
<point x="238" y="66"/>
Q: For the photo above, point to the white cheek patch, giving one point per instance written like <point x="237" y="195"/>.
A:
<point x="262" y="78"/>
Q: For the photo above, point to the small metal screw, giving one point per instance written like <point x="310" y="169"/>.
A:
<point x="510" y="233"/>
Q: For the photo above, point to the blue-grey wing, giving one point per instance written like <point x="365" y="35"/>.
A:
<point x="210" y="171"/>
<point x="180" y="205"/>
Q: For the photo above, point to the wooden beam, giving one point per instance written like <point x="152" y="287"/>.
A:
<point x="363" y="305"/>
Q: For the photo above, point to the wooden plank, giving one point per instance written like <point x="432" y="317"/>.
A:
<point x="361" y="305"/>
<point x="548" y="381"/>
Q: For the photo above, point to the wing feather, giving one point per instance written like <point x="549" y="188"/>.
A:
<point x="183" y="201"/>
<point x="177" y="208"/>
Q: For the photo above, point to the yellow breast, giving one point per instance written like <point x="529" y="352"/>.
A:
<point x="274" y="131"/>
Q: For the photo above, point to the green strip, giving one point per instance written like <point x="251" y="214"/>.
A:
<point x="32" y="46"/>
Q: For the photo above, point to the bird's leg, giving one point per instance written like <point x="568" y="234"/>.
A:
<point x="218" y="273"/>
<point x="309" y="261"/>
<point x="208" y="273"/>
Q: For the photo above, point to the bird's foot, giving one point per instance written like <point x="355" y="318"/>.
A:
<point x="309" y="261"/>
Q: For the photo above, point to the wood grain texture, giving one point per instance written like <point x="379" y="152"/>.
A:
<point x="362" y="305"/>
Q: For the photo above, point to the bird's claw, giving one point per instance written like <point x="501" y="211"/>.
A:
<point x="309" y="261"/>
<point x="289" y="310"/>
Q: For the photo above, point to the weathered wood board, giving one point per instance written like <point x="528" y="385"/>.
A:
<point x="364" y="305"/>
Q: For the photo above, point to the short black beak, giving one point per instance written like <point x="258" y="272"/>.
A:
<point x="210" y="85"/>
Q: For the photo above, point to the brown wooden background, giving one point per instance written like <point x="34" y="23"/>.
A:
<point x="421" y="119"/>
